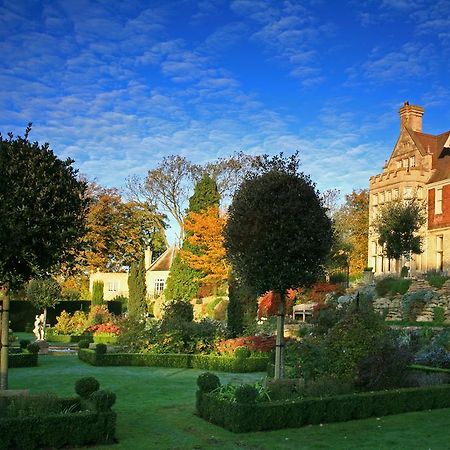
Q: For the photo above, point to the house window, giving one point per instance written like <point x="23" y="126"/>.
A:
<point x="399" y="164"/>
<point x="381" y="194"/>
<point x="388" y="196"/>
<point x="412" y="161"/>
<point x="405" y="163"/>
<point x="159" y="286"/>
<point x="113" y="286"/>
<point x="438" y="201"/>
<point x="394" y="194"/>
<point x="440" y="253"/>
<point x="375" y="200"/>
<point x="420" y="193"/>
<point x="408" y="192"/>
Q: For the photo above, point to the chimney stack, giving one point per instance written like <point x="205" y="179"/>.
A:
<point x="411" y="116"/>
<point x="147" y="258"/>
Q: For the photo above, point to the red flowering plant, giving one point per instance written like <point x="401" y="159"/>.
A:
<point x="256" y="344"/>
<point x="268" y="303"/>
<point x="104" y="328"/>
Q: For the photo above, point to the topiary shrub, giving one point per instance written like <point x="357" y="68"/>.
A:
<point x="207" y="382"/>
<point x="246" y="393"/>
<point x="103" y="400"/>
<point x="33" y="347"/>
<point x="86" y="386"/>
<point x="84" y="343"/>
<point x="101" y="349"/>
<point x="24" y="343"/>
<point x="242" y="352"/>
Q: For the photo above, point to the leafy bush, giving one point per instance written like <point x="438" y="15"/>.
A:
<point x="436" y="279"/>
<point x="283" y="389"/>
<point x="242" y="352"/>
<point x="84" y="343"/>
<point x="176" y="312"/>
<point x="24" y="343"/>
<point x="74" y="324"/>
<point x="414" y="302"/>
<point x="326" y="386"/>
<point x="207" y="382"/>
<point x="418" y="378"/>
<point x="86" y="386"/>
<point x="438" y="315"/>
<point x="99" y="314"/>
<point x="97" y="293"/>
<point x="392" y="285"/>
<point x="253" y="343"/>
<point x="103" y="400"/>
<point x="434" y="356"/>
<point x="246" y="393"/>
<point x="404" y="271"/>
<point x="101" y="349"/>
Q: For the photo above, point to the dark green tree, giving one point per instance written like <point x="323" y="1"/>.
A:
<point x="137" y="291"/>
<point x="182" y="283"/>
<point x="44" y="293"/>
<point x="397" y="225"/>
<point x="278" y="234"/>
<point x="97" y="293"/>
<point x="42" y="211"/>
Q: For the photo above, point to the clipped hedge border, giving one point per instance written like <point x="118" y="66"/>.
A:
<point x="175" y="360"/>
<point x="429" y="368"/>
<point x="24" y="359"/>
<point x="241" y="418"/>
<point x="58" y="430"/>
<point x="67" y="338"/>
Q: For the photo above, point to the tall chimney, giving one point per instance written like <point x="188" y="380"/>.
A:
<point x="411" y="116"/>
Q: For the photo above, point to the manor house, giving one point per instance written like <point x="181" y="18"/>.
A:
<point x="419" y="166"/>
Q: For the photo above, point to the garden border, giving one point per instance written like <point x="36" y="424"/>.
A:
<point x="176" y="360"/>
<point x="25" y="359"/>
<point x="246" y="417"/>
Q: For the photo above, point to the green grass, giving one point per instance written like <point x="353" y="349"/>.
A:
<point x="155" y="409"/>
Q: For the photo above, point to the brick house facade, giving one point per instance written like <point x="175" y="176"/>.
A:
<point x="419" y="166"/>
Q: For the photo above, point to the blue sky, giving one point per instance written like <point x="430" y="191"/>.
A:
<point x="117" y="85"/>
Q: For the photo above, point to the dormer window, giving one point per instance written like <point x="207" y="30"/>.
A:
<point x="399" y="164"/>
<point x="412" y="161"/>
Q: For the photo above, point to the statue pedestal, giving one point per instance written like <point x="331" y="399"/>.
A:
<point x="43" y="346"/>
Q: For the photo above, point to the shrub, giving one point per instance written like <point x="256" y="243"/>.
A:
<point x="84" y="343"/>
<point x="246" y="393"/>
<point x="97" y="293"/>
<point x="207" y="382"/>
<point x="392" y="285"/>
<point x="24" y="343"/>
<point x="242" y="352"/>
<point x="404" y="271"/>
<point x="434" y="356"/>
<point x="326" y="386"/>
<point x="283" y="389"/>
<point x="414" y="302"/>
<point x="86" y="386"/>
<point x="103" y="400"/>
<point x="33" y="347"/>
<point x="100" y="349"/>
<point x="176" y="312"/>
<point x="436" y="279"/>
<point x="253" y="343"/>
<point x="438" y="315"/>
<point x="98" y="314"/>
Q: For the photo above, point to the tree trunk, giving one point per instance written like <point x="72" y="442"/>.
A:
<point x="4" y="342"/>
<point x="279" y="349"/>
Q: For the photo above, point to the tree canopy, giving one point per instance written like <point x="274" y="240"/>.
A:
<point x="42" y="209"/>
<point x="397" y="225"/>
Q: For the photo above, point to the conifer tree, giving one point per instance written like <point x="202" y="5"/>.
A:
<point x="97" y="293"/>
<point x="137" y="291"/>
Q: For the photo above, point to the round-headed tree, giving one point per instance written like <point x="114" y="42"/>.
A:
<point x="278" y="234"/>
<point x="42" y="210"/>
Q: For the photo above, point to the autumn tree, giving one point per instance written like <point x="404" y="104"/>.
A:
<point x="184" y="280"/>
<point x="277" y="234"/>
<point x="42" y="211"/>
<point x="351" y="230"/>
<point x="398" y="225"/>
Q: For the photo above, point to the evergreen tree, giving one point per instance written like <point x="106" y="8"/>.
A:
<point x="183" y="281"/>
<point x="97" y="293"/>
<point x="137" y="291"/>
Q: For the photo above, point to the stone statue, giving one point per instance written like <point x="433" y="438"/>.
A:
<point x="38" y="329"/>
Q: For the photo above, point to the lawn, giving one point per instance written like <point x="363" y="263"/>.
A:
<point x="156" y="411"/>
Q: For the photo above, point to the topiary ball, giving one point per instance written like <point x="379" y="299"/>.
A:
<point x="84" y="343"/>
<point x="86" y="386"/>
<point x="242" y="352"/>
<point x="207" y="382"/>
<point x="100" y="349"/>
<point x="103" y="400"/>
<point x="246" y="393"/>
<point x="33" y="347"/>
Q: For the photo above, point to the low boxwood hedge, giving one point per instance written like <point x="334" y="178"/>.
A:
<point x="24" y="359"/>
<point x="67" y="338"/>
<point x="176" y="360"/>
<point x="429" y="369"/>
<point x="238" y="417"/>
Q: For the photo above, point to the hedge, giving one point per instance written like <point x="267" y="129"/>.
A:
<point x="58" y="430"/>
<point x="429" y="368"/>
<point x="67" y="338"/>
<point x="24" y="359"/>
<point x="240" y="418"/>
<point x="176" y="360"/>
<point x="105" y="339"/>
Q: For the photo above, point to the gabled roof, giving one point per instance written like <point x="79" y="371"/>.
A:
<point x="164" y="261"/>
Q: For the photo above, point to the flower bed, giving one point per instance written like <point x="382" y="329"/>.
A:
<point x="258" y="416"/>
<point x="178" y="360"/>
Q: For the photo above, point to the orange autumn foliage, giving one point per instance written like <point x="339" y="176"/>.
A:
<point x="204" y="233"/>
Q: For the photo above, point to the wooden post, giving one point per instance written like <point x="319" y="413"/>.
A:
<point x="279" y="349"/>
<point x="4" y="341"/>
